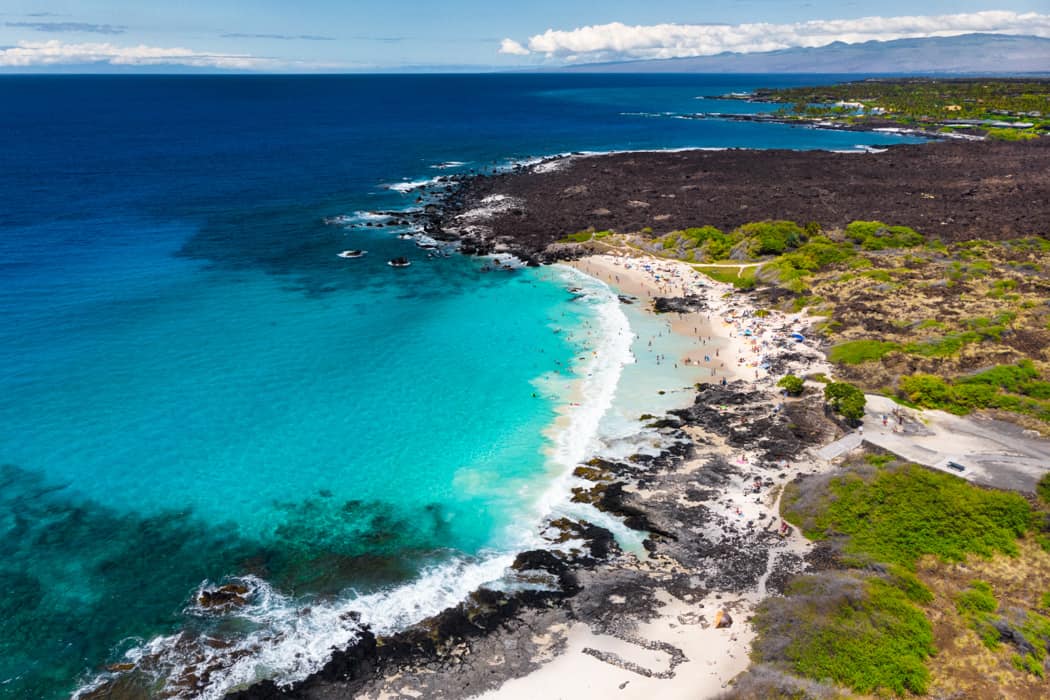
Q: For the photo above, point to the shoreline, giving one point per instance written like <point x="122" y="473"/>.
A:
<point x="681" y="637"/>
<point x="617" y="622"/>
<point x="989" y="189"/>
<point x="733" y="439"/>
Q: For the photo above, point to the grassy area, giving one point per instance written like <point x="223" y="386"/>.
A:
<point x="1007" y="109"/>
<point x="866" y="627"/>
<point x="855" y="352"/>
<point x="860" y="631"/>
<point x="742" y="277"/>
<point x="897" y="515"/>
<point x="1014" y="388"/>
<point x="584" y="236"/>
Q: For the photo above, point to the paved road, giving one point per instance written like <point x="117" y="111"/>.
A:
<point x="990" y="452"/>
<point x="840" y="447"/>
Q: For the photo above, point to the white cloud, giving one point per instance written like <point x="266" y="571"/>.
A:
<point x="512" y="48"/>
<point x="54" y="52"/>
<point x="617" y="40"/>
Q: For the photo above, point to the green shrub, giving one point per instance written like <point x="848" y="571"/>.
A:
<point x="910" y="584"/>
<point x="1008" y="377"/>
<point x="1006" y="387"/>
<point x="1043" y="489"/>
<point x="710" y="243"/>
<point x="926" y="390"/>
<point x="978" y="598"/>
<point x="792" y="385"/>
<point x="770" y="237"/>
<point x="875" y="235"/>
<point x="1005" y="134"/>
<point x="846" y="400"/>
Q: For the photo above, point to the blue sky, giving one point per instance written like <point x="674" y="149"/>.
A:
<point x="311" y="35"/>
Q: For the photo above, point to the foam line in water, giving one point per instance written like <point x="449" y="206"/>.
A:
<point x="576" y="436"/>
<point x="412" y="185"/>
<point x="290" y="641"/>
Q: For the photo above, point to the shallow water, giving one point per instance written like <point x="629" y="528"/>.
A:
<point x="193" y="385"/>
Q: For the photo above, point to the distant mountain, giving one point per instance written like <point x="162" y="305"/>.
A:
<point x="969" y="53"/>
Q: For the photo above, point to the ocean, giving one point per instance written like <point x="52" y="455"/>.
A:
<point x="196" y="389"/>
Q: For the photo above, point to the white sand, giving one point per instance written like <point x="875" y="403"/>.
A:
<point x="712" y="656"/>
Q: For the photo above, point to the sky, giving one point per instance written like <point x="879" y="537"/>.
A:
<point x="383" y="35"/>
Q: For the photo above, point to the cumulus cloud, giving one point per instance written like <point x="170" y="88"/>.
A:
<point x="512" y="48"/>
<point x="54" y="52"/>
<point x="69" y="27"/>
<point x="620" y="41"/>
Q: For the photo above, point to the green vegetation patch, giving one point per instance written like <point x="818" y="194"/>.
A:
<point x="1012" y="134"/>
<point x="864" y="627"/>
<point x="976" y="605"/>
<point x="875" y="235"/>
<point x="856" y="352"/>
<point x="584" y="236"/>
<point x="792" y="385"/>
<point x="740" y="277"/>
<point x="860" y="631"/>
<point x="944" y="346"/>
<point x="770" y="237"/>
<point x="898" y="514"/>
<point x="845" y="399"/>
<point x="1013" y="388"/>
<point x="1027" y="631"/>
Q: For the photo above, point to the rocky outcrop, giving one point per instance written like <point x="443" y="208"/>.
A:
<point x="968" y="190"/>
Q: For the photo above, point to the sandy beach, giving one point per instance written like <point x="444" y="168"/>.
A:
<point x="729" y="337"/>
<point x="681" y="652"/>
<point x="671" y="620"/>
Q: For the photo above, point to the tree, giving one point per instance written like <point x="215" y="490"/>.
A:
<point x="792" y="385"/>
<point x="846" y="400"/>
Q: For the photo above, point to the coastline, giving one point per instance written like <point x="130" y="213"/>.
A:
<point x="700" y="543"/>
<point x="963" y="189"/>
<point x="616" y="621"/>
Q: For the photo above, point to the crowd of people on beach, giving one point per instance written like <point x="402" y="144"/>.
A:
<point x="750" y="336"/>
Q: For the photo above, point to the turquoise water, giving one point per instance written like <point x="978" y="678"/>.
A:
<point x="317" y="441"/>
<point x="194" y="387"/>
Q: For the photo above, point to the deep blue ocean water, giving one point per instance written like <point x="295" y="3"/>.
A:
<point x="193" y="386"/>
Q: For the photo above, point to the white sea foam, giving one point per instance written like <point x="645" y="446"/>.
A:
<point x="358" y="217"/>
<point x="290" y="639"/>
<point x="859" y="148"/>
<point x="412" y="185"/>
<point x="449" y="164"/>
<point x="577" y="436"/>
<point x="490" y="206"/>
